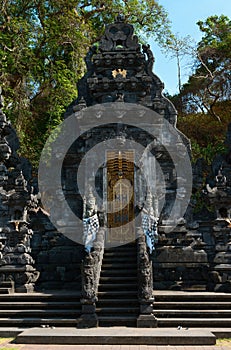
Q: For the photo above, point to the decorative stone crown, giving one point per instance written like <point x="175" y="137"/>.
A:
<point x="119" y="36"/>
<point x="120" y="69"/>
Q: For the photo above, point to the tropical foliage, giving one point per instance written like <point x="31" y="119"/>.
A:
<point x="42" y="48"/>
<point x="204" y="101"/>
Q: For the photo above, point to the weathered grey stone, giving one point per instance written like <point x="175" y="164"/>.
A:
<point x="147" y="321"/>
<point x="196" y="253"/>
<point x="17" y="199"/>
<point x="117" y="336"/>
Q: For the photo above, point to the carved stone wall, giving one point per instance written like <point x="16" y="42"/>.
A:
<point x="17" y="199"/>
<point x="195" y="255"/>
<point x="180" y="260"/>
<point x="217" y="195"/>
<point x="121" y="70"/>
<point x="32" y="253"/>
<point x="57" y="258"/>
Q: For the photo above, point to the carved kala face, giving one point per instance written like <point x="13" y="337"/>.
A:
<point x="117" y="34"/>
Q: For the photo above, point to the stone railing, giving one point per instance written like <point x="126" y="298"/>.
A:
<point x="91" y="267"/>
<point x="145" y="283"/>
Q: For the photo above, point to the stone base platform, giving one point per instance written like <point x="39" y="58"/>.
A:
<point x="117" y="335"/>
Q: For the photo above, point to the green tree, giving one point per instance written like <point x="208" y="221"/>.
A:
<point x="42" y="48"/>
<point x="210" y="82"/>
<point x="204" y="101"/>
<point x="178" y="47"/>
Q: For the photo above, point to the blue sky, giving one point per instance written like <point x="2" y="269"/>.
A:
<point x="184" y="14"/>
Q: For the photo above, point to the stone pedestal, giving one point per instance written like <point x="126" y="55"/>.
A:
<point x="146" y="321"/>
<point x="88" y="319"/>
<point x="146" y="318"/>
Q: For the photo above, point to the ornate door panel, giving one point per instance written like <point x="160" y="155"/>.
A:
<point x="120" y="196"/>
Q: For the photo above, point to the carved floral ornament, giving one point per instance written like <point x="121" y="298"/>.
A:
<point x="119" y="72"/>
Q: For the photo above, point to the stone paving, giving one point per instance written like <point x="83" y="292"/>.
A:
<point x="9" y="345"/>
<point x="111" y="347"/>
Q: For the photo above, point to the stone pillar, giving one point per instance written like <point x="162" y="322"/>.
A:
<point x="91" y="267"/>
<point x="145" y="279"/>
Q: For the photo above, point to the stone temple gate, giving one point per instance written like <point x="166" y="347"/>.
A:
<point x="136" y="228"/>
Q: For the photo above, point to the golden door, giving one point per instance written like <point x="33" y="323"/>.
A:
<point x="120" y="197"/>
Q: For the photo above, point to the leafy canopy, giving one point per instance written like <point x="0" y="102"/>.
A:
<point x="42" y="48"/>
<point x="210" y="83"/>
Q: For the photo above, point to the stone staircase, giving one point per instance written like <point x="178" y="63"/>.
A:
<point x="192" y="309"/>
<point x="37" y="309"/>
<point x="117" y="298"/>
<point x="116" y="306"/>
<point x="117" y="302"/>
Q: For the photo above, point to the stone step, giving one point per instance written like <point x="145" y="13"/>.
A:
<point x="120" y="260"/>
<point x="29" y="310"/>
<point x="193" y="313"/>
<point x="118" y="272"/>
<point x="115" y="279"/>
<point x="11" y="332"/>
<point x="115" y="310"/>
<point x="120" y="283"/>
<point x="39" y="305"/>
<point x="40" y="313"/>
<point x="125" y="253"/>
<point x="118" y="294"/>
<point x="120" y="320"/>
<point x="37" y="321"/>
<point x="111" y="253"/>
<point x="5" y="290"/>
<point x="119" y="264"/>
<point x="114" y="301"/>
<point x="121" y="249"/>
<point x="116" y="336"/>
<point x="118" y="286"/>
<point x="211" y="305"/>
<point x="129" y="246"/>
<point x="116" y="266"/>
<point x="191" y="296"/>
<point x="41" y="297"/>
<point x="194" y="322"/>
